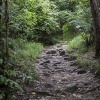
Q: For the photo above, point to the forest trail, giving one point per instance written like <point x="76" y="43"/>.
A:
<point x="61" y="78"/>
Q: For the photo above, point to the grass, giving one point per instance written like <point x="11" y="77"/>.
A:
<point x="20" y="70"/>
<point x="23" y="54"/>
<point x="89" y="63"/>
<point x="77" y="43"/>
<point x="84" y="54"/>
<point x="23" y="50"/>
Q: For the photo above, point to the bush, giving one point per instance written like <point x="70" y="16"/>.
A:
<point x="69" y="32"/>
<point x="21" y="67"/>
<point x="84" y="54"/>
<point x="76" y="43"/>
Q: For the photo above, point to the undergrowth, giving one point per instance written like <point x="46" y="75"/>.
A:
<point x="83" y="53"/>
<point x="76" y="43"/>
<point x="23" y="55"/>
<point x="20" y="69"/>
<point x="25" y="51"/>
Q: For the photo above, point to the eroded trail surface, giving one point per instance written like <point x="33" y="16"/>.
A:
<point x="61" y="78"/>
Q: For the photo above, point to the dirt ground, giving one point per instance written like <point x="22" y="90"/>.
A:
<point x="60" y="77"/>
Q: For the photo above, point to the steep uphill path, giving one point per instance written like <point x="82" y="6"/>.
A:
<point x="61" y="78"/>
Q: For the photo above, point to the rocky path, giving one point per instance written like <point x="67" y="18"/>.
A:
<point x="61" y="78"/>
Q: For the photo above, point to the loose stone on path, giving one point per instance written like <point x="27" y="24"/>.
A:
<point x="61" y="78"/>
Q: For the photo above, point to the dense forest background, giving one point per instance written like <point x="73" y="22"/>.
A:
<point x="26" y="26"/>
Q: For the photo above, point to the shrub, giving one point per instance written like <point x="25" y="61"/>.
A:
<point x="76" y="43"/>
<point x="23" y="55"/>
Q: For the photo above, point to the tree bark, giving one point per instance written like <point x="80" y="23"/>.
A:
<point x="1" y="40"/>
<point x="96" y="22"/>
<point x="0" y="26"/>
<point x="6" y="31"/>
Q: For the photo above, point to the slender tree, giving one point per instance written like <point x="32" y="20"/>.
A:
<point x="0" y="23"/>
<point x="6" y="30"/>
<point x="1" y="40"/>
<point x="96" y="21"/>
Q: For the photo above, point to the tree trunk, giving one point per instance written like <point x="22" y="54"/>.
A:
<point x="2" y="64"/>
<point x="0" y="27"/>
<point x="96" y="22"/>
<point x="6" y="31"/>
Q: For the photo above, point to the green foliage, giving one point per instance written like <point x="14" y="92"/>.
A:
<point x="83" y="61"/>
<point x="23" y="54"/>
<point x="6" y="86"/>
<point x="65" y="4"/>
<point x="76" y="43"/>
<point x="79" y="21"/>
<point x="69" y="31"/>
<point x="9" y="83"/>
<point x="45" y="21"/>
<point x="1" y="61"/>
<point x="96" y="65"/>
<point x="33" y="19"/>
<point x="89" y="62"/>
<point x="25" y="50"/>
